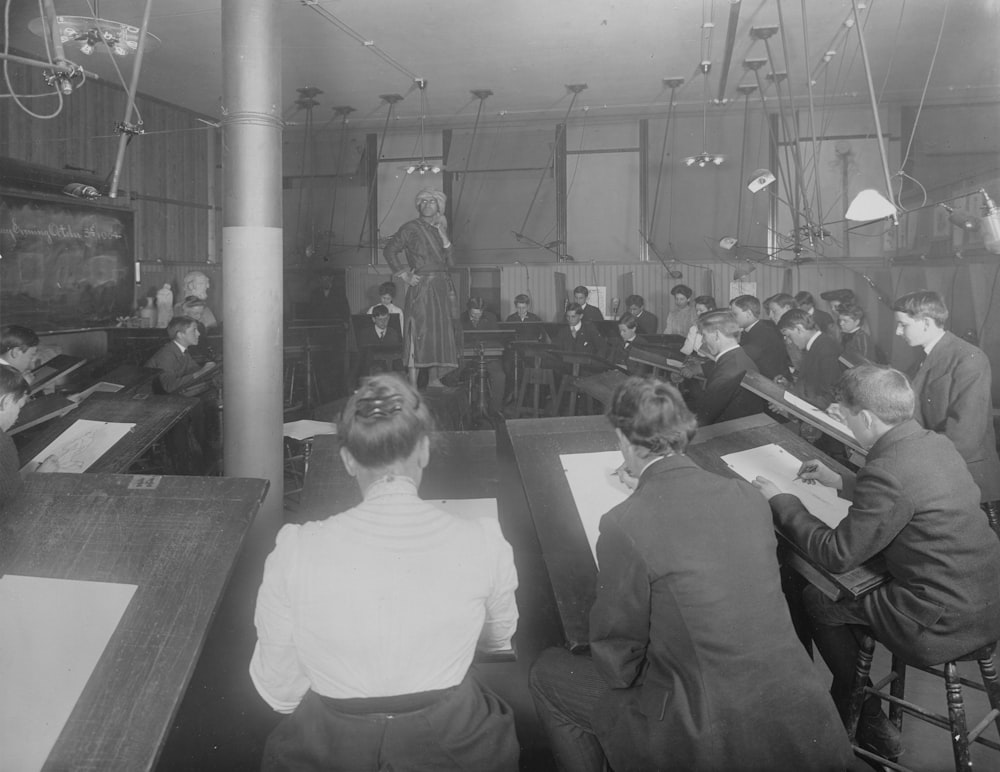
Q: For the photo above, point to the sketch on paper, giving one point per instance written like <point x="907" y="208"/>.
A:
<point x="82" y="444"/>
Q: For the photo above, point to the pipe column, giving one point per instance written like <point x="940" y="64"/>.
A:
<point x="252" y="247"/>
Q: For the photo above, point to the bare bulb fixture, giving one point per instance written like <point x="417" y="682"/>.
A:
<point x="90" y="34"/>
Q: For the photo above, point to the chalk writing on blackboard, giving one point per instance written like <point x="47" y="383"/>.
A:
<point x="65" y="264"/>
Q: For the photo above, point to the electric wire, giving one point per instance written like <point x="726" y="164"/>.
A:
<point x="114" y="63"/>
<point x="6" y="72"/>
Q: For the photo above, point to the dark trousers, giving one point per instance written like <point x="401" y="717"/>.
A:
<point x="463" y="728"/>
<point x="838" y="627"/>
<point x="566" y="688"/>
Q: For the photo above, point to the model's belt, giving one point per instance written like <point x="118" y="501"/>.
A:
<point x="399" y="703"/>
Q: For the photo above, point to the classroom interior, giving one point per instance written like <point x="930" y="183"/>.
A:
<point x="734" y="147"/>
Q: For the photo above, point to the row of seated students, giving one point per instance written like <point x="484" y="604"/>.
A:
<point x="693" y="662"/>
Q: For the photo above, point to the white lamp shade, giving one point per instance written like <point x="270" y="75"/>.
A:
<point x="869" y="205"/>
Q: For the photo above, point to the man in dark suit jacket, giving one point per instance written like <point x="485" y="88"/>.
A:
<point x="379" y="333"/>
<point x="476" y="317"/>
<point x="693" y="661"/>
<point x="760" y="338"/>
<point x="522" y="313"/>
<point x="178" y="371"/>
<point x="618" y="349"/>
<point x="914" y="503"/>
<point x="646" y="320"/>
<point x="954" y="389"/>
<point x="579" y="336"/>
<point x="590" y="313"/>
<point x="820" y="366"/>
<point x="723" y="398"/>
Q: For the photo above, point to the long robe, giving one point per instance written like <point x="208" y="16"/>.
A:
<point x="431" y="306"/>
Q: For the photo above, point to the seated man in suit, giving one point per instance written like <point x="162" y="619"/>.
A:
<point x="824" y="322"/>
<point x="776" y="307"/>
<point x="760" y="338"/>
<point x="722" y="398"/>
<point x="379" y="333"/>
<point x="387" y="298"/>
<point x="859" y="347"/>
<point x="954" y="386"/>
<point x="590" y="313"/>
<point x="579" y="336"/>
<point x="476" y="317"/>
<point x="618" y="349"/>
<point x="647" y="321"/>
<point x="820" y="366"/>
<point x="915" y="503"/>
<point x="19" y="349"/>
<point x="522" y="313"/>
<point x="178" y="370"/>
<point x="180" y="374"/>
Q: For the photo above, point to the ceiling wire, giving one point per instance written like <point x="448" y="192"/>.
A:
<point x="923" y="95"/>
<point x="361" y="39"/>
<point x="94" y="14"/>
<point x="545" y="170"/>
<point x="6" y="73"/>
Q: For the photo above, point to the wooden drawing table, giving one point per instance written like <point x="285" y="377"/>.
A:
<point x="775" y="394"/>
<point x="539" y="485"/>
<point x="153" y="416"/>
<point x="39" y="410"/>
<point x="178" y="543"/>
<point x="463" y="466"/>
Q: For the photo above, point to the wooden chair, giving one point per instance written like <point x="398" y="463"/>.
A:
<point x="535" y="376"/>
<point x="955" y="721"/>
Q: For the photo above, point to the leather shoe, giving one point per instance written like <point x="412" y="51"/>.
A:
<point x="876" y="733"/>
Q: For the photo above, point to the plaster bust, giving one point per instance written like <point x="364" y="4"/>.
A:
<point x="195" y="285"/>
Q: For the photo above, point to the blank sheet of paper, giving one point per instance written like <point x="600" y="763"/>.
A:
<point x="780" y="467"/>
<point x="82" y="444"/>
<point x="595" y="486"/>
<point x="52" y="634"/>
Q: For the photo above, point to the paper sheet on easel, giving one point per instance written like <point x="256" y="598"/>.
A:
<point x="52" y="636"/>
<point x="780" y="467"/>
<point x="816" y="413"/>
<point x="82" y="444"/>
<point x="595" y="487"/>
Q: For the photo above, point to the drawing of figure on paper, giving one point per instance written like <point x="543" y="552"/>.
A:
<point x="79" y="447"/>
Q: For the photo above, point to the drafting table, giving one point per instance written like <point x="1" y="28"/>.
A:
<point x="534" y="481"/>
<point x="775" y="394"/>
<point x="153" y="416"/>
<point x="177" y="539"/>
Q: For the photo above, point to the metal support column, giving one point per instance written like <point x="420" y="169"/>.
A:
<point x="252" y="247"/>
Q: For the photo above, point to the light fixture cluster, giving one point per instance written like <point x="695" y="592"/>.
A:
<point x="423" y="168"/>
<point x="121" y="39"/>
<point x="90" y="33"/>
<point x="703" y="159"/>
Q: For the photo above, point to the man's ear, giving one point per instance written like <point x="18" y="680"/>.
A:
<point x="350" y="463"/>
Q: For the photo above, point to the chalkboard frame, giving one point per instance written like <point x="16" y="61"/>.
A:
<point x="51" y="248"/>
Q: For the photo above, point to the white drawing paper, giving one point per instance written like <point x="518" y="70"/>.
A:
<point x="595" y="486"/>
<point x="306" y="429"/>
<point x="815" y="413"/>
<point x="780" y="467"/>
<point x="52" y="635"/>
<point x="82" y="444"/>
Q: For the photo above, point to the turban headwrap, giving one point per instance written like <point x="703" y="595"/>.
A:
<point x="437" y="195"/>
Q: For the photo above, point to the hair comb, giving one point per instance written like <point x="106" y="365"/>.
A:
<point x="378" y="408"/>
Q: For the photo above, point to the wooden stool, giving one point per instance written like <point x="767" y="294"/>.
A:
<point x="955" y="720"/>
<point x="536" y="376"/>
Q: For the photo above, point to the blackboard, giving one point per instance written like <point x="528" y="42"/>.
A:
<point x="64" y="264"/>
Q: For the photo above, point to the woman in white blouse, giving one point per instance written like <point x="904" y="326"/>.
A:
<point x="367" y="621"/>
